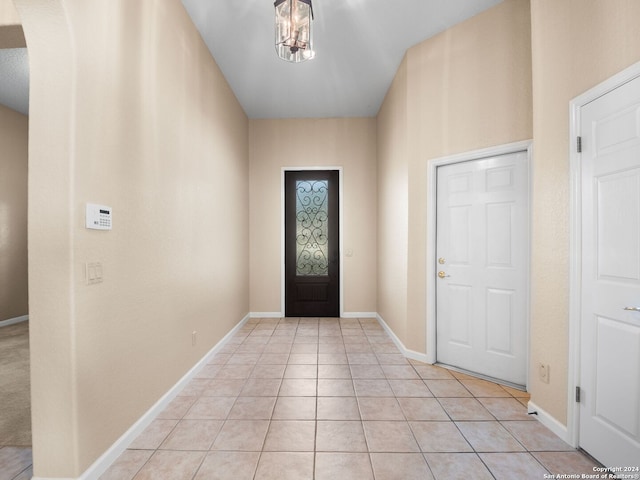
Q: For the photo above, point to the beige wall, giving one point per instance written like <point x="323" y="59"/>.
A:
<point x="128" y="109"/>
<point x="465" y="89"/>
<point x="349" y="143"/>
<point x="11" y="35"/>
<point x="14" y="128"/>
<point x="576" y="45"/>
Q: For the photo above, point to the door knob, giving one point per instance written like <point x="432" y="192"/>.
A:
<point x="629" y="309"/>
<point x="441" y="274"/>
<point x="441" y="261"/>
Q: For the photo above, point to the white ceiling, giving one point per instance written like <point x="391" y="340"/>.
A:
<point x="359" y="45"/>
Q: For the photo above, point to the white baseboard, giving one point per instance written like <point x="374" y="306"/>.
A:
<point x="413" y="355"/>
<point x="550" y="422"/>
<point x="359" y="315"/>
<point x="266" y="315"/>
<point x="12" y="321"/>
<point x="111" y="455"/>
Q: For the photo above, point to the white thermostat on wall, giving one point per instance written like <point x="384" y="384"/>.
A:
<point x="98" y="217"/>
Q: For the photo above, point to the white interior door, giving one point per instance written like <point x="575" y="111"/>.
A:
<point x="610" y="320"/>
<point x="482" y="251"/>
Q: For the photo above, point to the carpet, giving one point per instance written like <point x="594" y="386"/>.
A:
<point x="15" y="395"/>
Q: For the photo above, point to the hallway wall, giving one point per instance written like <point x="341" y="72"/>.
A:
<point x="128" y="109"/>
<point x="14" y="127"/>
<point x="464" y="89"/>
<point x="337" y="142"/>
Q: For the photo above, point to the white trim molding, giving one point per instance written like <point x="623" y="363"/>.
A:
<point x="412" y="354"/>
<point x="575" y="240"/>
<point x="549" y="421"/>
<point x="13" y="321"/>
<point x="431" y="268"/>
<point x="111" y="455"/>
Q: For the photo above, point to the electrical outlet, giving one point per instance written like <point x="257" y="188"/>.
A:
<point x="543" y="372"/>
<point x="194" y="338"/>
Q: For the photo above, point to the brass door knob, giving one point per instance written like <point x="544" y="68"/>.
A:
<point x="441" y="274"/>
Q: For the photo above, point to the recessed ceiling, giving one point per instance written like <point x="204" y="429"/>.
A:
<point x="359" y="45"/>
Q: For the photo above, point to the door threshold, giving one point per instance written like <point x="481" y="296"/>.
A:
<point x="483" y="377"/>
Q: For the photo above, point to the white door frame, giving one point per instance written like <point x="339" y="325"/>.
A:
<point x="282" y="232"/>
<point x="432" y="180"/>
<point x="575" y="241"/>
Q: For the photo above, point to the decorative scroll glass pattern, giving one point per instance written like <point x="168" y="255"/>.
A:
<point x="312" y="241"/>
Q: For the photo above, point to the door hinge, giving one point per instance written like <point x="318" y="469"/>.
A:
<point x="577" y="394"/>
<point x="579" y="144"/>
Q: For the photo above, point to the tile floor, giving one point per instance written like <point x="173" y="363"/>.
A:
<point x="334" y="399"/>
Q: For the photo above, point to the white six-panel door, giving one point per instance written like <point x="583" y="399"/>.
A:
<point x="610" y="320"/>
<point x="482" y="250"/>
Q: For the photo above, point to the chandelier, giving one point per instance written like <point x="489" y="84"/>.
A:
<point x="293" y="30"/>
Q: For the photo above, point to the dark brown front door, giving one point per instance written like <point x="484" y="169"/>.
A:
<point x="312" y="267"/>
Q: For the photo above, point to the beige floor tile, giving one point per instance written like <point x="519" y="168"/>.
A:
<point x="362" y="359"/>
<point x="273" y="359"/>
<point x="295" y="408"/>
<point x="457" y="466"/>
<point x="192" y="435"/>
<point x="489" y="437"/>
<point x="303" y="359"/>
<point x="331" y="347"/>
<point x="252" y="349"/>
<point x="127" y="465"/>
<point x="506" y="409"/>
<point x="281" y="347"/>
<point x="384" y="348"/>
<point x="536" y="437"/>
<point x="417" y="409"/>
<point x="234" y="372"/>
<point x="298" y="387"/>
<point x="358" y="348"/>
<point x="209" y="371"/>
<point x="343" y="466"/>
<point x="431" y="372"/>
<point x="465" y="409"/>
<point x="224" y="388"/>
<point x="390" y="437"/>
<point x="439" y="437"/>
<point x="285" y="466"/>
<point x="332" y="359"/>
<point x="335" y="387"/>
<point x="243" y="359"/>
<point x="219" y="359"/>
<point x="447" y="388"/>
<point x="380" y="408"/>
<point x="305" y="348"/>
<point x="482" y="388"/>
<point x="169" y="464"/>
<point x="405" y="466"/>
<point x="410" y="388"/>
<point x="301" y="371"/>
<point x="261" y="387"/>
<point x="252" y="408"/>
<point x="290" y="436"/>
<point x="338" y="408"/>
<point x="340" y="436"/>
<point x="241" y="435"/>
<point x="566" y="462"/>
<point x="14" y="460"/>
<point x="366" y="371"/>
<point x="372" y="388"/>
<point x="400" y="372"/>
<point x="268" y="371"/>
<point x="507" y="466"/>
<point x="334" y="371"/>
<point x="153" y="435"/>
<point x="325" y="340"/>
<point x="177" y="409"/>
<point x="516" y="393"/>
<point x="211" y="408"/>
<point x="27" y="474"/>
<point x="228" y="465"/>
<point x="195" y="387"/>
<point x="392" y="359"/>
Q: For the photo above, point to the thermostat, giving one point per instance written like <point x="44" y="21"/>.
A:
<point x="98" y="217"/>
